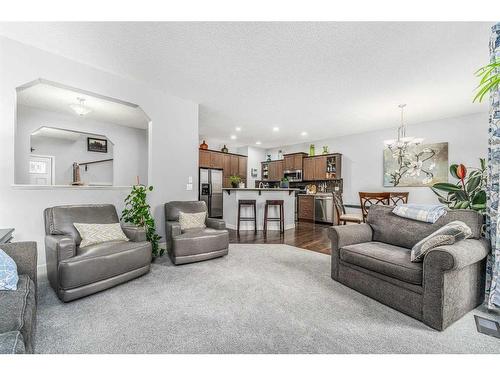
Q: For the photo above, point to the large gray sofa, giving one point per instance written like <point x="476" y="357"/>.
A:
<point x="374" y="259"/>
<point x="75" y="272"/>
<point x="18" y="307"/>
<point x="194" y="245"/>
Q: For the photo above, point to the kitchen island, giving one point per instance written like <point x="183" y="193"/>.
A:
<point x="231" y="196"/>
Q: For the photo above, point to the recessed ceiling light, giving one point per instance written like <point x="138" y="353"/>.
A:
<point x="303" y="133"/>
<point x="233" y="137"/>
<point x="258" y="142"/>
<point x="238" y="129"/>
<point x="276" y="129"/>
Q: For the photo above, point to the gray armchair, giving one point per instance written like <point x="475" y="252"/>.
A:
<point x="195" y="244"/>
<point x="18" y="307"/>
<point x="374" y="259"/>
<point x="76" y="272"/>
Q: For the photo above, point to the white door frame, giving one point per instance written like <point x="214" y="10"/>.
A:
<point x="52" y="162"/>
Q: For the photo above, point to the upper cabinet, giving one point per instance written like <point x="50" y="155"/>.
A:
<point x="231" y="164"/>
<point x="272" y="170"/>
<point x="293" y="162"/>
<point x="322" y="167"/>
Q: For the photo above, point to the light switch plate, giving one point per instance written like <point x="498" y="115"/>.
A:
<point x="189" y="187"/>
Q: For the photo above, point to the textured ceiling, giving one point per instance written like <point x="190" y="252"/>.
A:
<point x="327" y="79"/>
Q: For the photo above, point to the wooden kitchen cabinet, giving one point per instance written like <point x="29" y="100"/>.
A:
<point x="226" y="166"/>
<point x="319" y="167"/>
<point x="242" y="167"/>
<point x="204" y="159"/>
<point x="275" y="170"/>
<point x="293" y="162"/>
<point x="305" y="211"/>
<point x="216" y="160"/>
<point x="235" y="165"/>
<point x="308" y="169"/>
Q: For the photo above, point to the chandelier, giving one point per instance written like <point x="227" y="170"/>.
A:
<point x="402" y="142"/>
<point x="80" y="108"/>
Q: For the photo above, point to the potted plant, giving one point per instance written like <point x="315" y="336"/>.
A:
<point x="284" y="183"/>
<point x="468" y="192"/>
<point x="490" y="79"/>
<point x="235" y="180"/>
<point x="138" y="212"/>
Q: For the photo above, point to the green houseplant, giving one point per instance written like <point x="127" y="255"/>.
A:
<point x="235" y="180"/>
<point x="468" y="192"/>
<point x="490" y="79"/>
<point x="137" y="211"/>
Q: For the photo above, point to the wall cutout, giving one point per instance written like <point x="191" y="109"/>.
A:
<point x="67" y="136"/>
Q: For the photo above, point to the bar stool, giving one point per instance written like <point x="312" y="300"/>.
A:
<point x="281" y="218"/>
<point x="247" y="202"/>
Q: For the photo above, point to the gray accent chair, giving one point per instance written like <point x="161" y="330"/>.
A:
<point x="18" y="307"/>
<point x="374" y="259"/>
<point x="76" y="272"/>
<point x="194" y="245"/>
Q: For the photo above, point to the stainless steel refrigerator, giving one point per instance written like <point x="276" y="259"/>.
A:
<point x="210" y="190"/>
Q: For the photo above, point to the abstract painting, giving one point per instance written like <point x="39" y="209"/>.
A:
<point x="416" y="165"/>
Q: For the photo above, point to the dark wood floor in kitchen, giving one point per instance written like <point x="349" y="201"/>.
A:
<point x="305" y="235"/>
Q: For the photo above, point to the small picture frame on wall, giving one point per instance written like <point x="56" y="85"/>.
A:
<point x="97" y="145"/>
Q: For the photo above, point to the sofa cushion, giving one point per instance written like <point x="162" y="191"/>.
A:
<point x="12" y="343"/>
<point x="395" y="230"/>
<point x="17" y="309"/>
<point x="102" y="261"/>
<point x="199" y="241"/>
<point x="173" y="208"/>
<point x="192" y="220"/>
<point x="389" y="260"/>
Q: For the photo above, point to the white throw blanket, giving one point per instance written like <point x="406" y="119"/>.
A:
<point x="428" y="213"/>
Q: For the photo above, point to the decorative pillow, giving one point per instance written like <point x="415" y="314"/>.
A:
<point x="191" y="221"/>
<point x="97" y="233"/>
<point x="446" y="235"/>
<point x="8" y="272"/>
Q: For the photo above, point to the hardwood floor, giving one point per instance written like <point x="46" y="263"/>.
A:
<point x="305" y="235"/>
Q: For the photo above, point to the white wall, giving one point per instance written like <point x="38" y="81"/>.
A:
<point x="362" y="160"/>
<point x="255" y="157"/>
<point x="129" y="149"/>
<point x="173" y="140"/>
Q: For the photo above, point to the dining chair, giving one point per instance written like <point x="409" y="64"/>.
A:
<point x="397" y="197"/>
<point x="367" y="199"/>
<point x="343" y="217"/>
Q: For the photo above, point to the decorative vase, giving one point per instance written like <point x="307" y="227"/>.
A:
<point x="234" y="185"/>
<point x="325" y="150"/>
<point x="224" y="149"/>
<point x="203" y="146"/>
<point x="280" y="155"/>
<point x="312" y="152"/>
<point x="241" y="185"/>
<point x="268" y="157"/>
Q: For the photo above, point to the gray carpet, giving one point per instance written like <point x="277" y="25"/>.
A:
<point x="258" y="299"/>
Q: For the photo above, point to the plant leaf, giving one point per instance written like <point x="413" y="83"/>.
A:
<point x="445" y="186"/>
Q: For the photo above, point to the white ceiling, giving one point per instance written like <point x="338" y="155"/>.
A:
<point x="328" y="79"/>
<point x="52" y="96"/>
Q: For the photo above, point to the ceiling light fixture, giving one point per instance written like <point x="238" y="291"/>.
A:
<point x="238" y="129"/>
<point x="258" y="142"/>
<point x="303" y="134"/>
<point x="80" y="108"/>
<point x="402" y="141"/>
<point x="276" y="129"/>
<point x="233" y="137"/>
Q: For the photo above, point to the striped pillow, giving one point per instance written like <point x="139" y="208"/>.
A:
<point x="446" y="235"/>
<point x="93" y="234"/>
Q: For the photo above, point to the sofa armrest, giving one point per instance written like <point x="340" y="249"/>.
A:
<point x="344" y="235"/>
<point x="25" y="256"/>
<point x="458" y="255"/>
<point x="134" y="233"/>
<point x="215" y="223"/>
<point x="172" y="229"/>
<point x="60" y="247"/>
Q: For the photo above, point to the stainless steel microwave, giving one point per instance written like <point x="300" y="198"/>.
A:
<point x="293" y="175"/>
